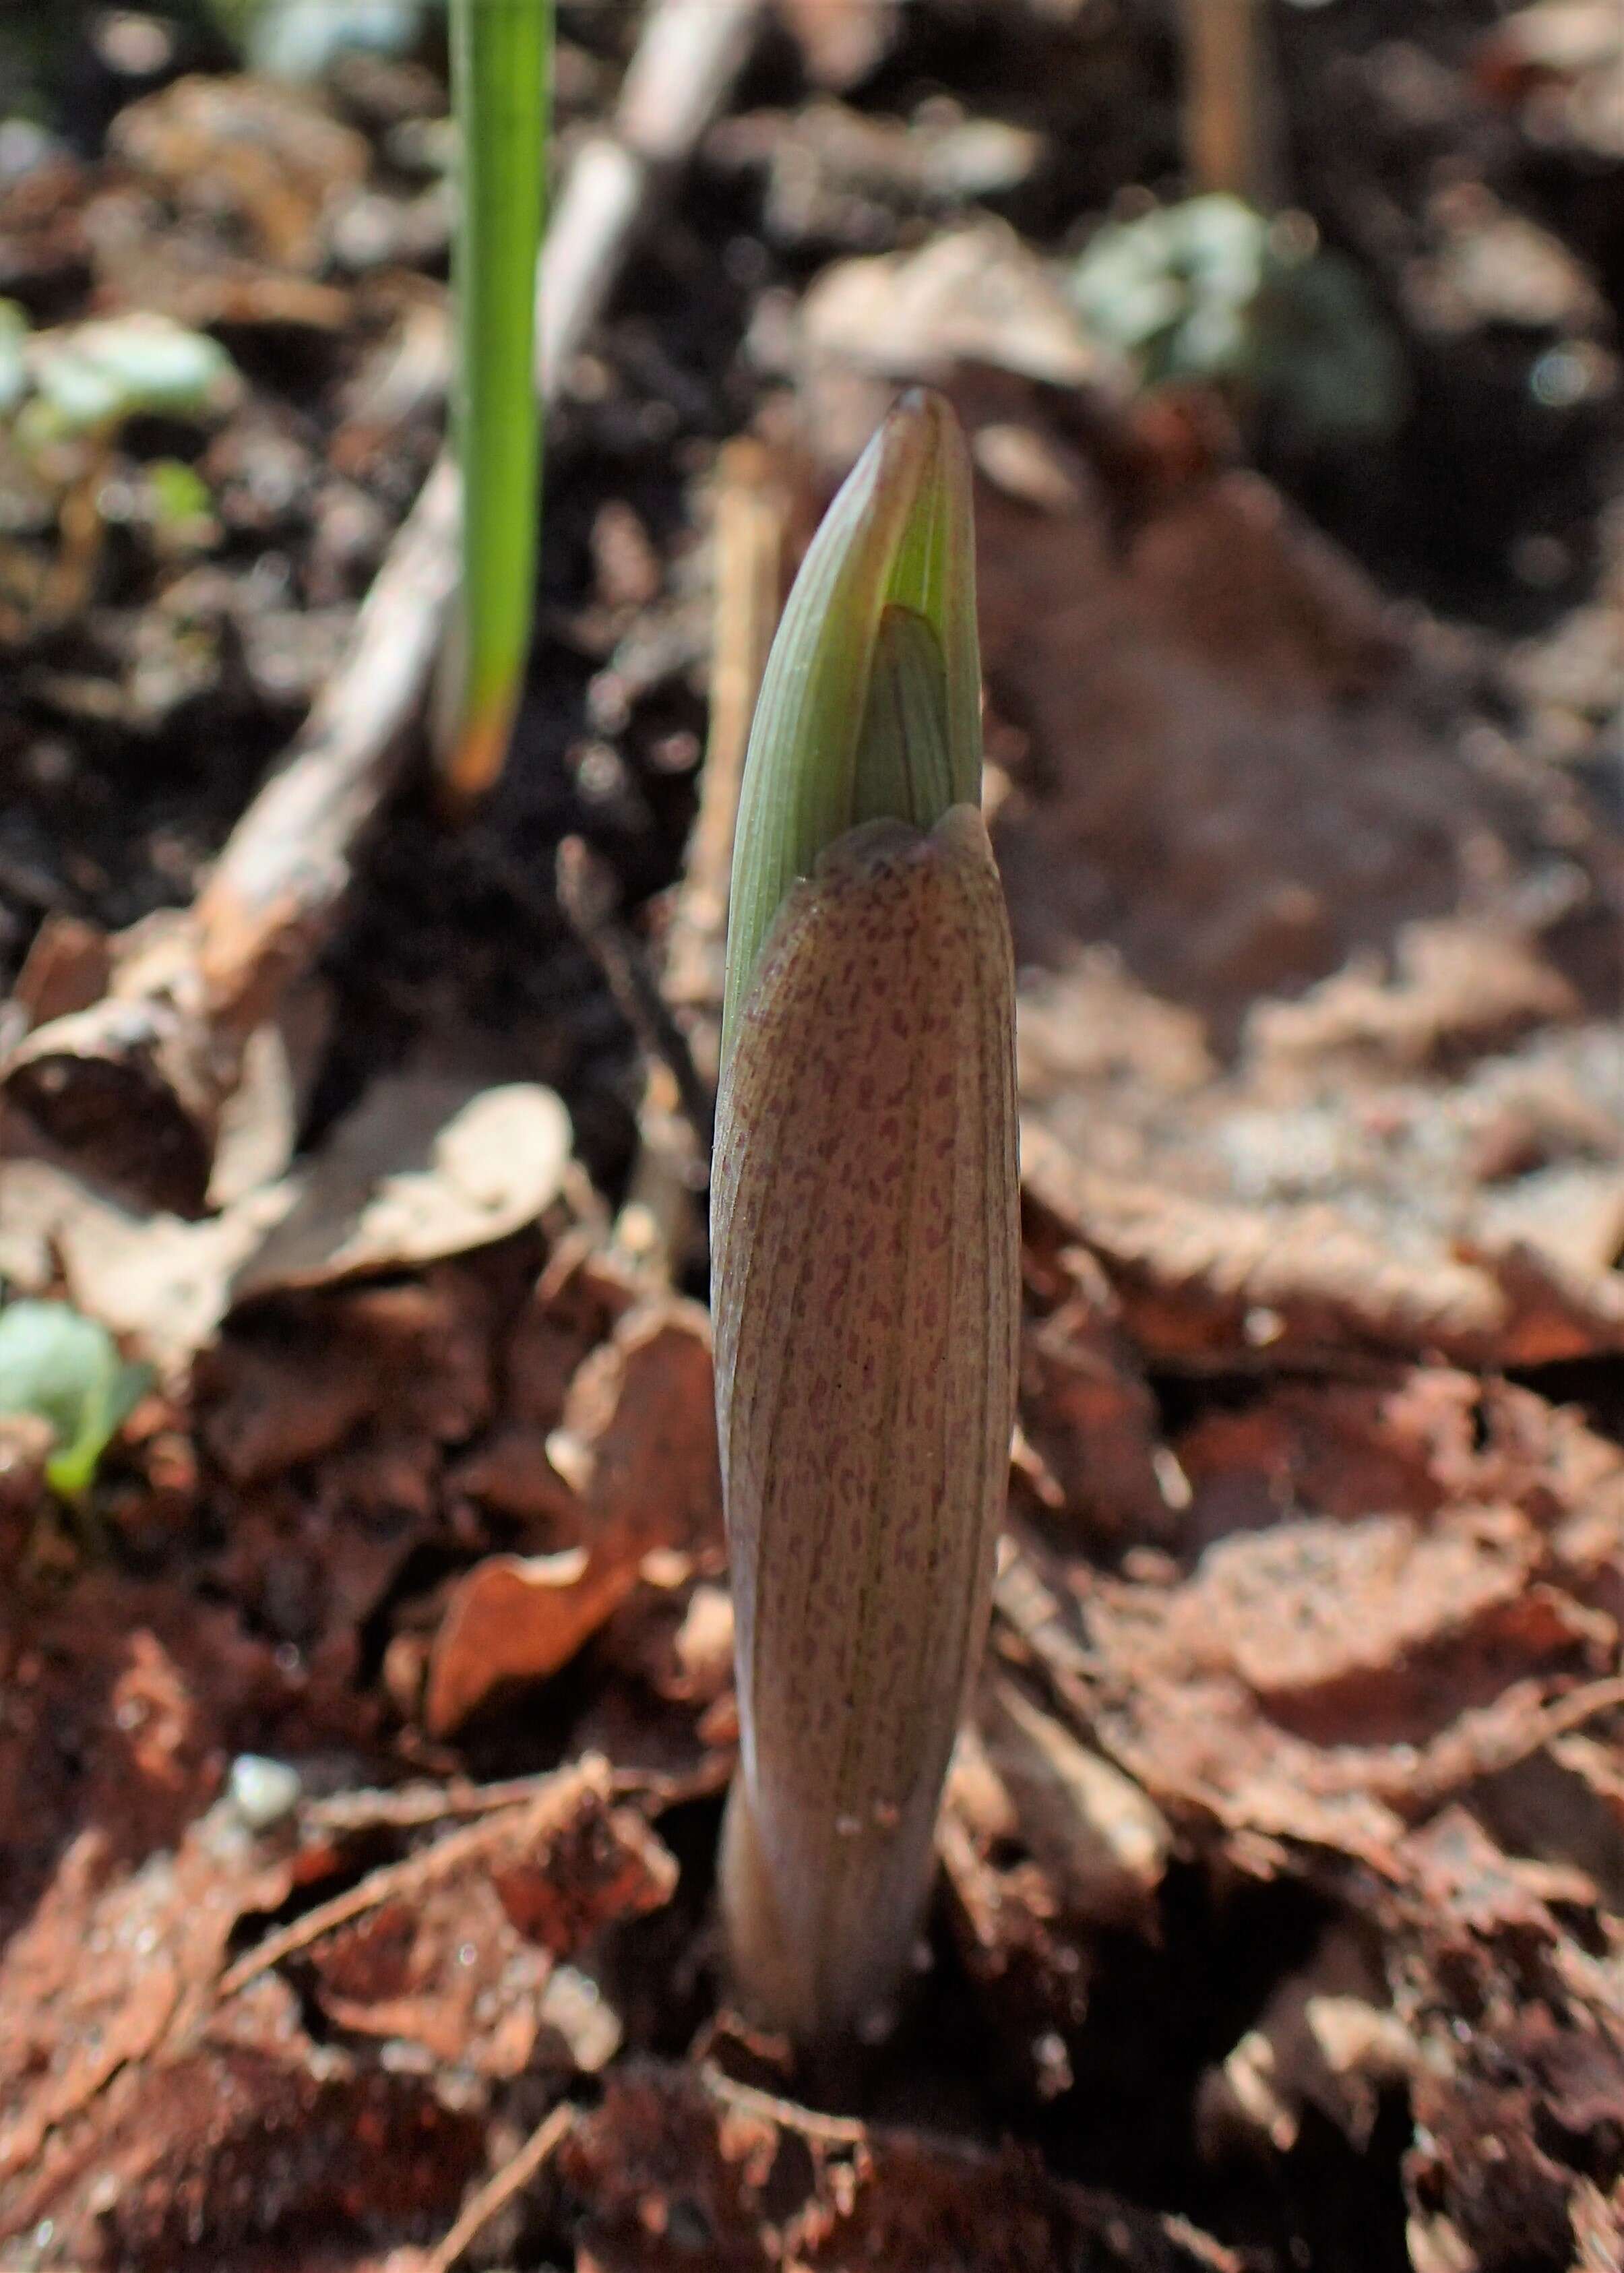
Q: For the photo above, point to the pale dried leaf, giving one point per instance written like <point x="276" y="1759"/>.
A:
<point x="974" y="294"/>
<point x="1104" y="1842"/>
<point x="424" y="1167"/>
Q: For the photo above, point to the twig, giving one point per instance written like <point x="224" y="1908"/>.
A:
<point x="412" y="1805"/>
<point x="1231" y="103"/>
<point x="688" y="56"/>
<point x="788" y="2114"/>
<point x="551" y="1809"/>
<point x="588" y="891"/>
<point x="132" y="1089"/>
<point x="751" y="526"/>
<point x="410" y="1875"/>
<point x="1455" y="1758"/>
<point x="513" y="2177"/>
<point x="752" y="520"/>
<point x="1563" y="1714"/>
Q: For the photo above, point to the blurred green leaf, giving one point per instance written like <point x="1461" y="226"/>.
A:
<point x="1210" y="290"/>
<point x="301" y="39"/>
<point x="65" y="1368"/>
<point x="1172" y="286"/>
<point x="13" y="362"/>
<point x="1325" y="360"/>
<point x="87" y="378"/>
<point x="180" y="496"/>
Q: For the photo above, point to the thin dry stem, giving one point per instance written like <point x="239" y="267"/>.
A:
<point x="1231" y="101"/>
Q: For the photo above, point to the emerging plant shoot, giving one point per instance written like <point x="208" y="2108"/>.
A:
<point x="501" y="53"/>
<point x="864" y="1236"/>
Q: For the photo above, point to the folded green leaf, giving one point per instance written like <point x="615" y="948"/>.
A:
<point x="897" y="544"/>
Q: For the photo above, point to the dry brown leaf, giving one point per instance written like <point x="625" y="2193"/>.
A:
<point x="1230" y="776"/>
<point x="516" y="1618"/>
<point x="267" y="153"/>
<point x="124" y="1703"/>
<point x="1357" y="1632"/>
<point x="672" y="2163"/>
<point x="1459" y="990"/>
<point x="1539" y="2067"/>
<point x="1197" y="1278"/>
<point x="973" y="294"/>
<point x="293" y="1380"/>
<point x="1321" y="1682"/>
<point x="76" y="2010"/>
<point x="633" y="1468"/>
<point x="257" y="2141"/>
<point x="1373" y="1630"/>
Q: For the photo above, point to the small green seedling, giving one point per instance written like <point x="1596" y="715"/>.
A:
<point x="86" y="379"/>
<point x="501" y="53"/>
<point x="64" y="396"/>
<point x="66" y="1369"/>
<point x="865" y="1237"/>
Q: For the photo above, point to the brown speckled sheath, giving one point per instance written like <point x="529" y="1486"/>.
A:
<point x="867" y="1257"/>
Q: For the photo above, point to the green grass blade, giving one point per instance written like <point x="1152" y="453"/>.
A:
<point x="501" y="74"/>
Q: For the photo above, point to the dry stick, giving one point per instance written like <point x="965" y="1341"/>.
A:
<point x="1232" y="103"/>
<point x="130" y="1090"/>
<point x="550" y="1811"/>
<point x="589" y="895"/>
<point x="788" y="2114"/>
<point x="752" y="525"/>
<point x="810" y="2123"/>
<point x="498" y="2191"/>
<point x="412" y="1806"/>
<point x="751" y="530"/>
<point x="1452" y="1760"/>
<point x="410" y="1875"/>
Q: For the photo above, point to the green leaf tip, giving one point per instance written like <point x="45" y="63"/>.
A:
<point x="870" y="703"/>
<point x="66" y="1368"/>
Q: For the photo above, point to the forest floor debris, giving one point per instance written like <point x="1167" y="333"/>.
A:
<point x="363" y="1728"/>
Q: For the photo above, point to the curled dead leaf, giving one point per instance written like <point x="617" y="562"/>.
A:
<point x="633" y="1464"/>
